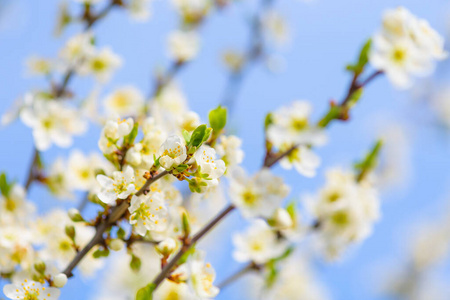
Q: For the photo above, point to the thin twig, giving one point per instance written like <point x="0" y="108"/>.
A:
<point x="115" y="215"/>
<point x="252" y="54"/>
<point x="238" y="274"/>
<point x="61" y="89"/>
<point x="174" y="261"/>
<point x="32" y="169"/>
<point x="166" y="271"/>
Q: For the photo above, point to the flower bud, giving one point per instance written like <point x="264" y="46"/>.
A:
<point x="166" y="247"/>
<point x="60" y="280"/>
<point x="116" y="244"/>
<point x="282" y="219"/>
<point x="40" y="267"/>
<point x="70" y="231"/>
<point x="75" y="215"/>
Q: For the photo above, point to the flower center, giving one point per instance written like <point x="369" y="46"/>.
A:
<point x="299" y="124"/>
<point x="98" y="65"/>
<point x="249" y="197"/>
<point x="120" y="100"/>
<point x="10" y="205"/>
<point x="172" y="153"/>
<point x="340" y="218"/>
<point x="399" y="55"/>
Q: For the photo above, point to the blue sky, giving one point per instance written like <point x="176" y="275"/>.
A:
<point x="326" y="35"/>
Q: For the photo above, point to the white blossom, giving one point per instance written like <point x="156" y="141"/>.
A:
<point x="258" y="196"/>
<point x="290" y="126"/>
<point x="172" y="152"/>
<point x="39" y="66"/>
<point x="229" y="148"/>
<point x="259" y="243"/>
<point x="82" y="170"/>
<point x="52" y="123"/>
<point x="113" y="132"/>
<point x="346" y="211"/>
<point x="205" y="157"/>
<point x="101" y="64"/>
<point x="139" y="9"/>
<point x="125" y="101"/>
<point x="303" y="159"/>
<point x="201" y="276"/>
<point x="148" y="212"/>
<point x="405" y="47"/>
<point x="76" y="50"/>
<point x="121" y="185"/>
<point x="183" y="45"/>
<point x="30" y="290"/>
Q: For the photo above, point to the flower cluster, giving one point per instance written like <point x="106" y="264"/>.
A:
<point x="406" y="46"/>
<point x="345" y="210"/>
<point x="162" y="176"/>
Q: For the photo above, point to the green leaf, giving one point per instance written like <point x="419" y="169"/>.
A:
<point x="129" y="139"/>
<point x="218" y="118"/>
<point x="186" y="136"/>
<point x="369" y="162"/>
<point x="197" y="136"/>
<point x="207" y="134"/>
<point x="135" y="263"/>
<point x="121" y="233"/>
<point x="268" y="121"/>
<point x="354" y="97"/>
<point x="362" y="59"/>
<point x="4" y="186"/>
<point x="291" y="208"/>
<point x="70" y="232"/>
<point x="186" y="255"/>
<point x="186" y="225"/>
<point x="101" y="253"/>
<point x="145" y="293"/>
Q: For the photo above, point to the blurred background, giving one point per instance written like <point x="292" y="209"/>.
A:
<point x="323" y="36"/>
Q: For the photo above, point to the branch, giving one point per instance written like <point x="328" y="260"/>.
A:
<point x="237" y="275"/>
<point x="61" y="89"/>
<point x="165" y="272"/>
<point x="252" y="54"/>
<point x="115" y="215"/>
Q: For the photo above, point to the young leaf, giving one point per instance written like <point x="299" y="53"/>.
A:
<point x="186" y="136"/>
<point x="129" y="139"/>
<point x="145" y="293"/>
<point x="218" y="118"/>
<point x="198" y="136"/>
<point x="4" y="186"/>
<point x="135" y="263"/>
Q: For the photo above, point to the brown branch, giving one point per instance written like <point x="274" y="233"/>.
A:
<point x="168" y="268"/>
<point x="254" y="52"/>
<point x="165" y="272"/>
<point x="115" y="215"/>
<point x="238" y="274"/>
<point x="60" y="90"/>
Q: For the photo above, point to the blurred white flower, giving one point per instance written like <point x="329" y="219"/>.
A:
<point x="229" y="148"/>
<point x="405" y="47"/>
<point x="183" y="45"/>
<point x="258" y="196"/>
<point x="101" y="64"/>
<point x="259" y="243"/>
<point x="52" y="122"/>
<point x="125" y="101"/>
